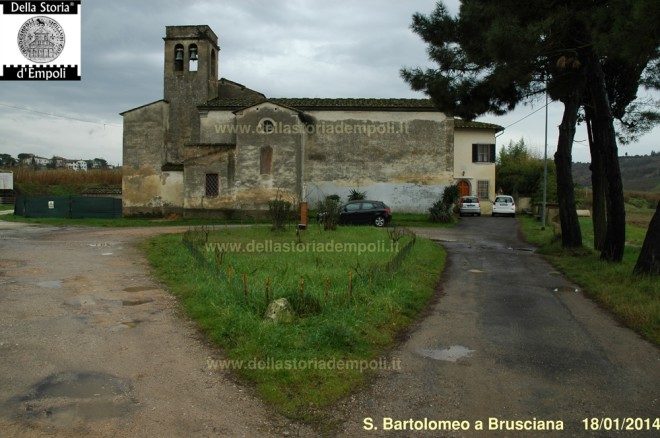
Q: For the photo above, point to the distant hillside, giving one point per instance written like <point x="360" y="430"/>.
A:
<point x="639" y="173"/>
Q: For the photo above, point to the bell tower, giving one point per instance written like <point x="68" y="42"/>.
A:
<point x="191" y="79"/>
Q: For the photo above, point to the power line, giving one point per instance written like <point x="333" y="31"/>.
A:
<point x="520" y="120"/>
<point x="58" y="115"/>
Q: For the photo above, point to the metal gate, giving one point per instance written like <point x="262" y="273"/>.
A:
<point x="72" y="207"/>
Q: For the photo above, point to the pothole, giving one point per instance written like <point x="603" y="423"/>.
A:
<point x="137" y="302"/>
<point x="139" y="289"/>
<point x="451" y="354"/>
<point x="68" y="398"/>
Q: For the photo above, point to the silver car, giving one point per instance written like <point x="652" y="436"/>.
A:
<point x="469" y="205"/>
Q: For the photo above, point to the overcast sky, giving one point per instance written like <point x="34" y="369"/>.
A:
<point x="283" y="48"/>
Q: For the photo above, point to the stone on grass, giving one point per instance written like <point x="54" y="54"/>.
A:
<point x="280" y="311"/>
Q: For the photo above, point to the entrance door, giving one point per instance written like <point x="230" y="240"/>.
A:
<point x="463" y="188"/>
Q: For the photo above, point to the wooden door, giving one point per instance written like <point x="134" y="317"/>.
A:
<point x="463" y="188"/>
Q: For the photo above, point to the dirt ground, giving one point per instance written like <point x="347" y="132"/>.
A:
<point x="90" y="345"/>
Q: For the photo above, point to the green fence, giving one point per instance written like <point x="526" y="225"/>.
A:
<point x="72" y="207"/>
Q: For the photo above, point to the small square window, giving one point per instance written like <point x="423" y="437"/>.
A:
<point x="212" y="185"/>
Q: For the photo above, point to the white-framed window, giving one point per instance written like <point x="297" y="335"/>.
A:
<point x="483" y="153"/>
<point x="483" y="189"/>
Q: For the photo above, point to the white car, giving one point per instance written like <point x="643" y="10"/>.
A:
<point x="469" y="205"/>
<point x="504" y="205"/>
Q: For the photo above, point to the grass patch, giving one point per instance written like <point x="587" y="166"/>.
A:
<point x="334" y="320"/>
<point x="6" y="207"/>
<point x="418" y="220"/>
<point x="632" y="299"/>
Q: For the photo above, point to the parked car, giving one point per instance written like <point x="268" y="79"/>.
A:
<point x="364" y="212"/>
<point x="504" y="205"/>
<point x="469" y="205"/>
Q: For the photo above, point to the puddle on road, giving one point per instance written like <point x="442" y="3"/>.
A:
<point x="565" y="289"/>
<point x="68" y="398"/>
<point x="476" y="271"/>
<point x="137" y="302"/>
<point x="51" y="284"/>
<point x="139" y="289"/>
<point x="79" y="385"/>
<point x="106" y="254"/>
<point x="451" y="354"/>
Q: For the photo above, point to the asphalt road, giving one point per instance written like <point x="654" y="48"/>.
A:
<point x="511" y="339"/>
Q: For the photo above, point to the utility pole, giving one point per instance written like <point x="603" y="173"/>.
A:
<point x="545" y="162"/>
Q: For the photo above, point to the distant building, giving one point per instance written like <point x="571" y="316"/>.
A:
<point x="58" y="162"/>
<point x="34" y="160"/>
<point x="77" y="165"/>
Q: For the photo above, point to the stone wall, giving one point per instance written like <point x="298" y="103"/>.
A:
<point x="146" y="189"/>
<point x="242" y="185"/>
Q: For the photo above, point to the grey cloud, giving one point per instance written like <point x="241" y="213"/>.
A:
<point x="293" y="48"/>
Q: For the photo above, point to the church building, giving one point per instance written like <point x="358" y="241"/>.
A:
<point x="213" y="147"/>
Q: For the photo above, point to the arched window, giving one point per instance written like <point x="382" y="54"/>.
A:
<point x="266" y="160"/>
<point x="178" y="57"/>
<point x="193" y="57"/>
<point x="267" y="126"/>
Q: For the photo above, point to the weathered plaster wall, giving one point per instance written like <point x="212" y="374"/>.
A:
<point x="146" y="189"/>
<point x="404" y="159"/>
<point x="218" y="127"/>
<point x="253" y="190"/>
<point x="202" y="160"/>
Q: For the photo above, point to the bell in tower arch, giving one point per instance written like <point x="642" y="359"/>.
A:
<point x="193" y="58"/>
